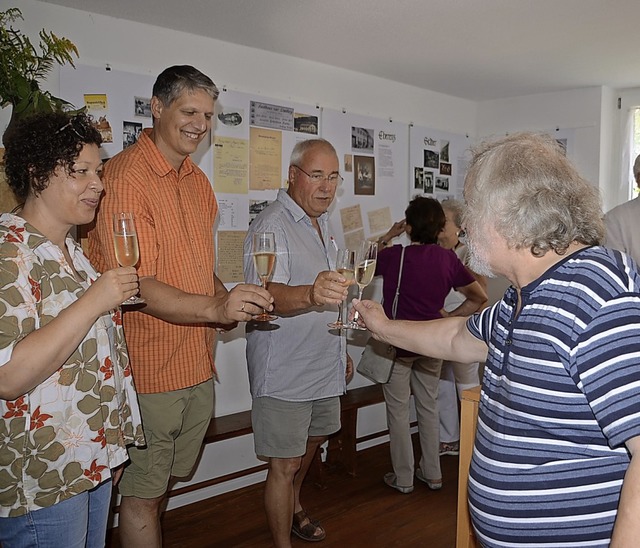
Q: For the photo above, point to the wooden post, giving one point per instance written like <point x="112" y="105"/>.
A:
<point x="465" y="538"/>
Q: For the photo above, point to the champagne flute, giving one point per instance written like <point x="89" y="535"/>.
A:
<point x="125" y="243"/>
<point x="345" y="265"/>
<point x="365" y="269"/>
<point x="264" y="258"/>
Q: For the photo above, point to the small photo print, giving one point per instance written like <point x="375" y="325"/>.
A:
<point x="364" y="175"/>
<point x="305" y="123"/>
<point x="130" y="133"/>
<point x="348" y="163"/>
<point x="431" y="159"/>
<point x="142" y="106"/>
<point x="362" y="139"/>
<point x="442" y="184"/>
<point x="418" y="181"/>
<point x="563" y="145"/>
<point x="445" y="169"/>
<point x="231" y="117"/>
<point x="444" y="151"/>
<point x="428" y="182"/>
<point x="255" y="207"/>
<point x="104" y="127"/>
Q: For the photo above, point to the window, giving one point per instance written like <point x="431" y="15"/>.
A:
<point x="635" y="150"/>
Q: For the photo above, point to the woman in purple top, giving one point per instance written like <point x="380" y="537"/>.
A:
<point x="429" y="272"/>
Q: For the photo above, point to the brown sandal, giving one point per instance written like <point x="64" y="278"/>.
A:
<point x="311" y="531"/>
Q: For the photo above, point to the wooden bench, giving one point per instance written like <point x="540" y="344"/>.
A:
<point x="342" y="446"/>
<point x="341" y="450"/>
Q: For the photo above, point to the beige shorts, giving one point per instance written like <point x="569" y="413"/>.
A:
<point x="281" y="428"/>
<point x="174" y="426"/>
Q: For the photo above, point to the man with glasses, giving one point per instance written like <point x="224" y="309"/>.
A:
<point x="297" y="368"/>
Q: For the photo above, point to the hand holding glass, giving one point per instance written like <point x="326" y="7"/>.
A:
<point x="125" y="242"/>
<point x="365" y="268"/>
<point x="264" y="259"/>
<point x="345" y="265"/>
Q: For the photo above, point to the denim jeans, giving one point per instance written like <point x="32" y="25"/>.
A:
<point x="78" y="522"/>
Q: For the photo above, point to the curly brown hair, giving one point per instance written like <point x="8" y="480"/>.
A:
<point x="426" y="218"/>
<point x="40" y="144"/>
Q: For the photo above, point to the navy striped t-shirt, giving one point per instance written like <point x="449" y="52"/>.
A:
<point x="560" y="396"/>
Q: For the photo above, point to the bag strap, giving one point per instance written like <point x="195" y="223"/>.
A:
<point x="394" y="305"/>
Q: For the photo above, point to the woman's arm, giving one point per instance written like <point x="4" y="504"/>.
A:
<point x="476" y="299"/>
<point x="41" y="353"/>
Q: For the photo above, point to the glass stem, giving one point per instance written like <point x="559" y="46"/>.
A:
<point x="263" y="282"/>
<point x="356" y="316"/>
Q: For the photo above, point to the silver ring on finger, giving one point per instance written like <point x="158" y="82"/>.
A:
<point x="242" y="308"/>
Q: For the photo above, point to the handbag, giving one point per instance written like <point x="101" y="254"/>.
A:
<point x="378" y="358"/>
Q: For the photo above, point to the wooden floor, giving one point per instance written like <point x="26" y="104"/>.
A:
<point x="355" y="511"/>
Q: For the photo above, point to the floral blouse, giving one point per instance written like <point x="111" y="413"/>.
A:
<point x="64" y="436"/>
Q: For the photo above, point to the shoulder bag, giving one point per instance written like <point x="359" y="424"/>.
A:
<point x="378" y="358"/>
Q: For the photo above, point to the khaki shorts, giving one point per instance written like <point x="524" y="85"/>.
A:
<point x="281" y="428"/>
<point x="174" y="426"/>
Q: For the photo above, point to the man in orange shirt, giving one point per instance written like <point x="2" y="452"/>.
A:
<point x="171" y="337"/>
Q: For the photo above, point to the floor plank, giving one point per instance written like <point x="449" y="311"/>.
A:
<point x="355" y="511"/>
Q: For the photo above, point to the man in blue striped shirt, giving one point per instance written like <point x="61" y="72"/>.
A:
<point x="559" y="419"/>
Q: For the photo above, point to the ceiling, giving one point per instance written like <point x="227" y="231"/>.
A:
<point x="473" y="49"/>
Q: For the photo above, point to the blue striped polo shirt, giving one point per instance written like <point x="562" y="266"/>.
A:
<point x="560" y="396"/>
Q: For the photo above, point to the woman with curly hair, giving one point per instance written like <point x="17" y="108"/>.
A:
<point x="67" y="402"/>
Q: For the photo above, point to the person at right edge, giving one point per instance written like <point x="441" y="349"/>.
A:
<point x="171" y="337"/>
<point x="623" y="223"/>
<point x="297" y="368"/>
<point x="555" y="461"/>
<point x="429" y="272"/>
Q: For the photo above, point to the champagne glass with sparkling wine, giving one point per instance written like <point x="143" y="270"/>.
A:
<point x="365" y="268"/>
<point x="264" y="258"/>
<point x="125" y="242"/>
<point x="345" y="265"/>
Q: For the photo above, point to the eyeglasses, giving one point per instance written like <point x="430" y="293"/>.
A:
<point x="76" y="125"/>
<point x="317" y="178"/>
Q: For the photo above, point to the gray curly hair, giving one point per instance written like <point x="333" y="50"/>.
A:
<point x="525" y="187"/>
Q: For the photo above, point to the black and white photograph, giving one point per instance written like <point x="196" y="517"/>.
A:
<point x="428" y="182"/>
<point x="130" y="133"/>
<point x="142" y="106"/>
<point x="231" y="117"/>
<point x="364" y="175"/>
<point x="442" y="184"/>
<point x="431" y="159"/>
<point x="418" y="181"/>
<point x="362" y="139"/>
<point x="305" y="123"/>
<point x="255" y="207"/>
<point x="444" y="151"/>
<point x="563" y="145"/>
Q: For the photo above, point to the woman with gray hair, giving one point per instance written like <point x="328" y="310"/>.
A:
<point x="554" y="460"/>
<point x="455" y="377"/>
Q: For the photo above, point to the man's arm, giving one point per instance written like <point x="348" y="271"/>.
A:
<point x="447" y="338"/>
<point x="328" y="288"/>
<point x="225" y="307"/>
<point x="626" y="531"/>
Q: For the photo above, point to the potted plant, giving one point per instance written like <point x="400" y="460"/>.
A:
<point x="24" y="66"/>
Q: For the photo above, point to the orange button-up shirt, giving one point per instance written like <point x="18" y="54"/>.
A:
<point x="174" y="214"/>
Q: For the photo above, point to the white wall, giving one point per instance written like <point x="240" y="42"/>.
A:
<point x="578" y="110"/>
<point x="145" y="49"/>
